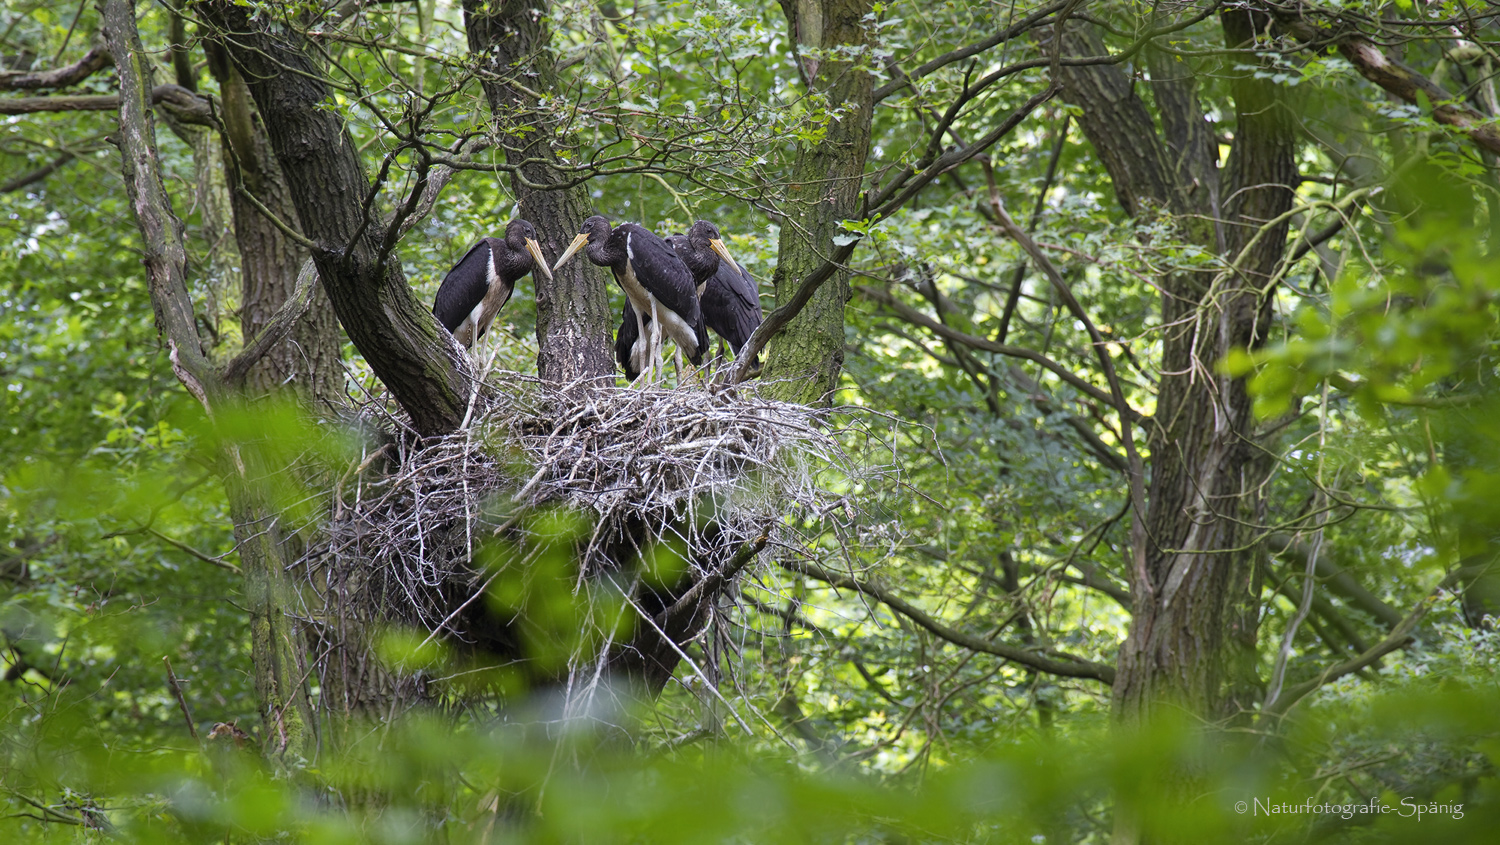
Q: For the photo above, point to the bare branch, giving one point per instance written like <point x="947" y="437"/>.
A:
<point x="161" y="230"/>
<point x="28" y="179"/>
<point x="953" y="158"/>
<point x="96" y="60"/>
<point x="172" y="682"/>
<point x="1396" y="639"/>
<point x="1094" y="578"/>
<point x="917" y="318"/>
<point x="285" y="228"/>
<point x="974" y="49"/>
<point x="281" y="324"/>
<point x="179" y="101"/>
<point x="437" y="180"/>
<point x="1136" y="472"/>
<point x="1339" y="580"/>
<point x="688" y="606"/>
<point x="1071" y="667"/>
<point x="1391" y="75"/>
<point x="778" y="319"/>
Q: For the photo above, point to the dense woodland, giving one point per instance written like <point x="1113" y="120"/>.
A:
<point x="1124" y="466"/>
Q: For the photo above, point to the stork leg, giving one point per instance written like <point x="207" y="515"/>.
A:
<point x="484" y="345"/>
<point x="657" y="365"/>
<point x="640" y="334"/>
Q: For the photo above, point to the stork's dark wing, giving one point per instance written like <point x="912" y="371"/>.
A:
<point x="464" y="286"/>
<point x="625" y="340"/>
<point x="731" y="305"/>
<point x="661" y="272"/>
<point x="743" y="285"/>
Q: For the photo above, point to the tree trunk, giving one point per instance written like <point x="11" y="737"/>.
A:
<point x="308" y="362"/>
<point x="807" y="356"/>
<point x="276" y="648"/>
<point x="1191" y="643"/>
<point x="573" y="314"/>
<point x="1191" y="646"/>
<point x="424" y="369"/>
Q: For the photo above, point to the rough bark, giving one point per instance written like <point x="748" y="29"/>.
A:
<point x="1120" y="128"/>
<point x="275" y="644"/>
<point x="1192" y="637"/>
<point x="307" y="361"/>
<point x="1193" y="152"/>
<point x="573" y="315"/>
<point x="1263" y="179"/>
<point x="426" y="371"/>
<point x="807" y="356"/>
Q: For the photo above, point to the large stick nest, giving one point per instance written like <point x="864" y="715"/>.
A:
<point x="711" y="472"/>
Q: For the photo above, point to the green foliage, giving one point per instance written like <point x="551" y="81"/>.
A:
<point x="841" y="720"/>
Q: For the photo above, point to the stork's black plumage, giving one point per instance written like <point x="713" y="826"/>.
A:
<point x="702" y="250"/>
<point x="649" y="272"/>
<point x="729" y="298"/>
<point x="631" y="349"/>
<point x="482" y="281"/>
<point x="731" y="306"/>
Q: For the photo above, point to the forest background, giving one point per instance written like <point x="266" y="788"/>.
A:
<point x="1150" y="347"/>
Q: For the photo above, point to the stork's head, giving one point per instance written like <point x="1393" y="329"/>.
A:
<point x="704" y="234"/>
<point x="594" y="230"/>
<point x="520" y="236"/>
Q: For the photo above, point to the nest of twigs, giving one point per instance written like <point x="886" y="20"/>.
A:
<point x="709" y="472"/>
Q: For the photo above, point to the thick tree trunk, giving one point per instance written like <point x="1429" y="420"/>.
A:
<point x="276" y="648"/>
<point x="1263" y="180"/>
<point x="425" y="370"/>
<point x="1191" y="647"/>
<point x="307" y="363"/>
<point x="305" y="367"/>
<point x="1192" y="637"/>
<point x="573" y="314"/>
<point x="808" y="355"/>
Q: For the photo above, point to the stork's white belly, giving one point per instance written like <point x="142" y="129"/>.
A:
<point x="678" y="329"/>
<point x="640" y="300"/>
<point x="476" y="319"/>
<point x="672" y="325"/>
<point x="479" y="319"/>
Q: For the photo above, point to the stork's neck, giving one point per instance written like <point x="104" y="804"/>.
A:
<point x="512" y="263"/>
<point x="701" y="260"/>
<point x="608" y="251"/>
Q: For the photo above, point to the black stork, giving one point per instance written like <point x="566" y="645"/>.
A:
<point x="729" y="297"/>
<point x="482" y="281"/>
<point x="657" y="285"/>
